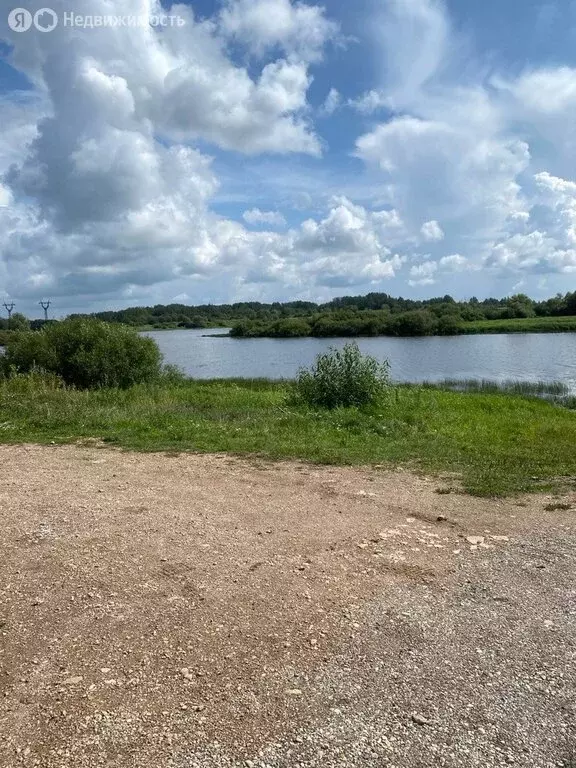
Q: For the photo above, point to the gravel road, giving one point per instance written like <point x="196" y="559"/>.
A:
<point x="183" y="611"/>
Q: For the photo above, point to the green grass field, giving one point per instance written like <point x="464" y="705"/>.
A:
<point x="498" y="443"/>
<point x="522" y="325"/>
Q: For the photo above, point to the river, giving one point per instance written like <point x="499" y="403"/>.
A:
<point x="520" y="356"/>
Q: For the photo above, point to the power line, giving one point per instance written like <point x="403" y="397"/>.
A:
<point x="45" y="306"/>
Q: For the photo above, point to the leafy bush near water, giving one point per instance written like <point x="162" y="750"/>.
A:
<point x="343" y="378"/>
<point x="85" y="353"/>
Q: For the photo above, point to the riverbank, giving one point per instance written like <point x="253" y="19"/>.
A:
<point x="492" y="443"/>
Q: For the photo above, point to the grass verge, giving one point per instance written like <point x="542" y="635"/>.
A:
<point x="499" y="443"/>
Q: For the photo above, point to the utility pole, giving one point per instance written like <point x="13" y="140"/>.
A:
<point x="45" y="305"/>
<point x="9" y="307"/>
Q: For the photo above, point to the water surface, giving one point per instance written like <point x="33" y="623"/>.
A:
<point x="522" y="356"/>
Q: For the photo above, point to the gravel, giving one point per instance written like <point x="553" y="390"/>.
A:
<point x="181" y="611"/>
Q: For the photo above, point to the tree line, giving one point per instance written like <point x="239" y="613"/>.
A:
<point x="225" y="315"/>
<point x="369" y="315"/>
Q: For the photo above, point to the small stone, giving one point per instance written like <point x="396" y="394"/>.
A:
<point x="294" y="692"/>
<point x="441" y="518"/>
<point x="420" y="720"/>
<point x="500" y="538"/>
<point x="475" y="540"/>
<point x="73" y="680"/>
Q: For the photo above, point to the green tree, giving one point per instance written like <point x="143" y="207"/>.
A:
<point x="19" y="322"/>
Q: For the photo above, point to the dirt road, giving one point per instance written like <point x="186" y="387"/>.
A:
<point x="179" y="611"/>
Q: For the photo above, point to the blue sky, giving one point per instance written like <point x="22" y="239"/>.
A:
<point x="269" y="149"/>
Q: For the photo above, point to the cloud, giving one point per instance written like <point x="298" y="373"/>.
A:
<point x="450" y="171"/>
<point x="423" y="274"/>
<point x="116" y="167"/>
<point x="370" y="102"/>
<point x="548" y="91"/>
<point x="455" y="263"/>
<point x="300" y="30"/>
<point x="348" y="247"/>
<point x="485" y="172"/>
<point x="229" y="109"/>
<point x="413" y="39"/>
<point x="548" y="244"/>
<point x="432" y="232"/>
<point x="257" y="217"/>
<point x="102" y="187"/>
<point x="331" y="103"/>
<point x="178" y="82"/>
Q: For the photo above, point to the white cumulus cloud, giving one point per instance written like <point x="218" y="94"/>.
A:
<point x="432" y="232"/>
<point x="257" y="217"/>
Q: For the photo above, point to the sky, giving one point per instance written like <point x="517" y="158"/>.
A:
<point x="264" y="150"/>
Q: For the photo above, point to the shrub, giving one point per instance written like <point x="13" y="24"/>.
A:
<point x="419" y="322"/>
<point x="342" y="378"/>
<point x="449" y="325"/>
<point x="85" y="353"/>
<point x="290" y="327"/>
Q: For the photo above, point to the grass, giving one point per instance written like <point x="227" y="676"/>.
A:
<point x="509" y="386"/>
<point x="553" y="391"/>
<point x="498" y="443"/>
<point x="522" y="325"/>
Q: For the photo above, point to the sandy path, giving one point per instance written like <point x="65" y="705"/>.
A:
<point x="206" y="611"/>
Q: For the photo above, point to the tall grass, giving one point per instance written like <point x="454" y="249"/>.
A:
<point x="554" y="391"/>
<point x="510" y="386"/>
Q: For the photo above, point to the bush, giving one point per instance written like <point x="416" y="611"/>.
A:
<point x="449" y="325"/>
<point x="290" y="327"/>
<point x="342" y="378"/>
<point x="85" y="353"/>
<point x="419" y="322"/>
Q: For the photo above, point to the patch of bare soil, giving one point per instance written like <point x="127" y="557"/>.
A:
<point x="188" y="610"/>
